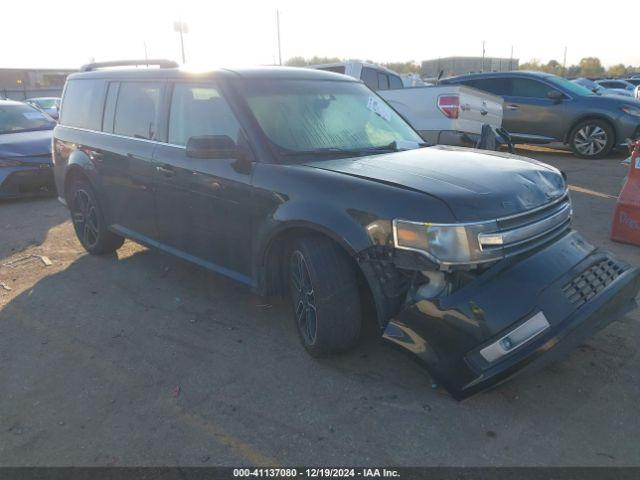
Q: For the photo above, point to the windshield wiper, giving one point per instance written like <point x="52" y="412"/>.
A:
<point x="328" y="151"/>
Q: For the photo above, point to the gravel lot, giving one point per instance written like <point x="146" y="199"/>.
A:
<point x="142" y="359"/>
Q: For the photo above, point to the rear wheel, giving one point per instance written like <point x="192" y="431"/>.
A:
<point x="592" y="139"/>
<point x="88" y="220"/>
<point x="325" y="296"/>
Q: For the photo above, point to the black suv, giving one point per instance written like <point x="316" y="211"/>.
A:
<point x="304" y="182"/>
<point x="544" y="108"/>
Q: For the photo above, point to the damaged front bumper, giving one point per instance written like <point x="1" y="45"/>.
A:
<point x="559" y="296"/>
<point x="27" y="181"/>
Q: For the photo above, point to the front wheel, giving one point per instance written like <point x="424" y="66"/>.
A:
<point x="592" y="139"/>
<point x="88" y="220"/>
<point x="325" y="295"/>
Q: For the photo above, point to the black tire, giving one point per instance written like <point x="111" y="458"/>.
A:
<point x="592" y="138"/>
<point x="326" y="307"/>
<point x="88" y="220"/>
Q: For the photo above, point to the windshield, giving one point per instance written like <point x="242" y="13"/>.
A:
<point x="23" y="118"/>
<point x="303" y="116"/>
<point x="573" y="88"/>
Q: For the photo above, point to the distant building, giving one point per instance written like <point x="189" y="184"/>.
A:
<point x="461" y="65"/>
<point x="19" y="83"/>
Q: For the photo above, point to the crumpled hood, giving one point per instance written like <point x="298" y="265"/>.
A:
<point x="26" y="144"/>
<point x="475" y="184"/>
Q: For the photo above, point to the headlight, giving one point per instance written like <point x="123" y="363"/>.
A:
<point x="635" y="111"/>
<point x="448" y="244"/>
<point x="468" y="244"/>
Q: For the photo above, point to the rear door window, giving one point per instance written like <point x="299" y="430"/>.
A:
<point x="82" y="104"/>
<point x="200" y="109"/>
<point x="497" y="86"/>
<point x="525" y="87"/>
<point x="383" y="81"/>
<point x="137" y="109"/>
<point x="395" y="82"/>
<point x="370" y="78"/>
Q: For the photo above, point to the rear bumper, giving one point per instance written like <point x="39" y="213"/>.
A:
<point x="18" y="182"/>
<point x="447" y="336"/>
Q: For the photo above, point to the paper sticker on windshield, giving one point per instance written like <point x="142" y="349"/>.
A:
<point x="379" y="107"/>
<point x="33" y="115"/>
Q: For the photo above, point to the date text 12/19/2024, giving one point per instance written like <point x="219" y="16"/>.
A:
<point x="316" y="473"/>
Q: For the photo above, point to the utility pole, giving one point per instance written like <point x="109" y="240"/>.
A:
<point x="146" y="56"/>
<point x="564" y="63"/>
<point x="482" y="69"/>
<point x="278" y="27"/>
<point x="182" y="28"/>
<point x="511" y="59"/>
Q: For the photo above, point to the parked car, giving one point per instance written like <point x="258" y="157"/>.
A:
<point x="49" y="105"/>
<point x="446" y="114"/>
<point x="596" y="88"/>
<point x="303" y="183"/>
<point x="544" y="108"/>
<point x="622" y="87"/>
<point x="636" y="83"/>
<point x="25" y="151"/>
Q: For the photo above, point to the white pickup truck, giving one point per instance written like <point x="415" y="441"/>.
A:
<point x="442" y="114"/>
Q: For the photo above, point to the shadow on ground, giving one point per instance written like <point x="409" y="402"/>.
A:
<point x="37" y="216"/>
<point x="145" y="360"/>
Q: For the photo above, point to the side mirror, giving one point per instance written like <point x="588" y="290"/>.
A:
<point x="555" y="95"/>
<point x="212" y="146"/>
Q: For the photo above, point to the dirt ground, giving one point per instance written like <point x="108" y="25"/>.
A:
<point x="143" y="359"/>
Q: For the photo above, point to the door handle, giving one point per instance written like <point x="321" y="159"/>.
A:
<point x="512" y="106"/>
<point x="167" y="170"/>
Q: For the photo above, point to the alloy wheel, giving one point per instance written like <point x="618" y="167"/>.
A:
<point x="85" y="218"/>
<point x="303" y="298"/>
<point x="590" y="140"/>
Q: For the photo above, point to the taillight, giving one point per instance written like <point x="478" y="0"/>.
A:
<point x="449" y="105"/>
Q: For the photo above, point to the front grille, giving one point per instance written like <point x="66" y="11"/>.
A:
<point x="592" y="281"/>
<point x="530" y="229"/>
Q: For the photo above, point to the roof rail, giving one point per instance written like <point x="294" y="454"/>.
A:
<point x="124" y="63"/>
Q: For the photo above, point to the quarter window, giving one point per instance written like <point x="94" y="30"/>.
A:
<point x="136" y="109"/>
<point x="82" y="104"/>
<point x="200" y="110"/>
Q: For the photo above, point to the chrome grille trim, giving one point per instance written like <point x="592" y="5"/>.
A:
<point x="529" y="231"/>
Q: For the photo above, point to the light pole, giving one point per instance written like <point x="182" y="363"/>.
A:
<point x="182" y="28"/>
<point x="278" y="27"/>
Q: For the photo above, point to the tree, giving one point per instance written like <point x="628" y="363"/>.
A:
<point x="591" y="67"/>
<point x="533" y="65"/>
<point x="573" y="71"/>
<point x="617" y="70"/>
<point x="403" y="67"/>
<point x="554" y="67"/>
<point x="296" y="62"/>
<point x="303" y="62"/>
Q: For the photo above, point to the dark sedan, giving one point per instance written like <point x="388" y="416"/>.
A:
<point x="25" y="151"/>
<point x="545" y="108"/>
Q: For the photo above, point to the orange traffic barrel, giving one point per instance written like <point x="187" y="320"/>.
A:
<point x="626" y="217"/>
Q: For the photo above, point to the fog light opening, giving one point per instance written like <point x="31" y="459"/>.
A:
<point x="516" y="338"/>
